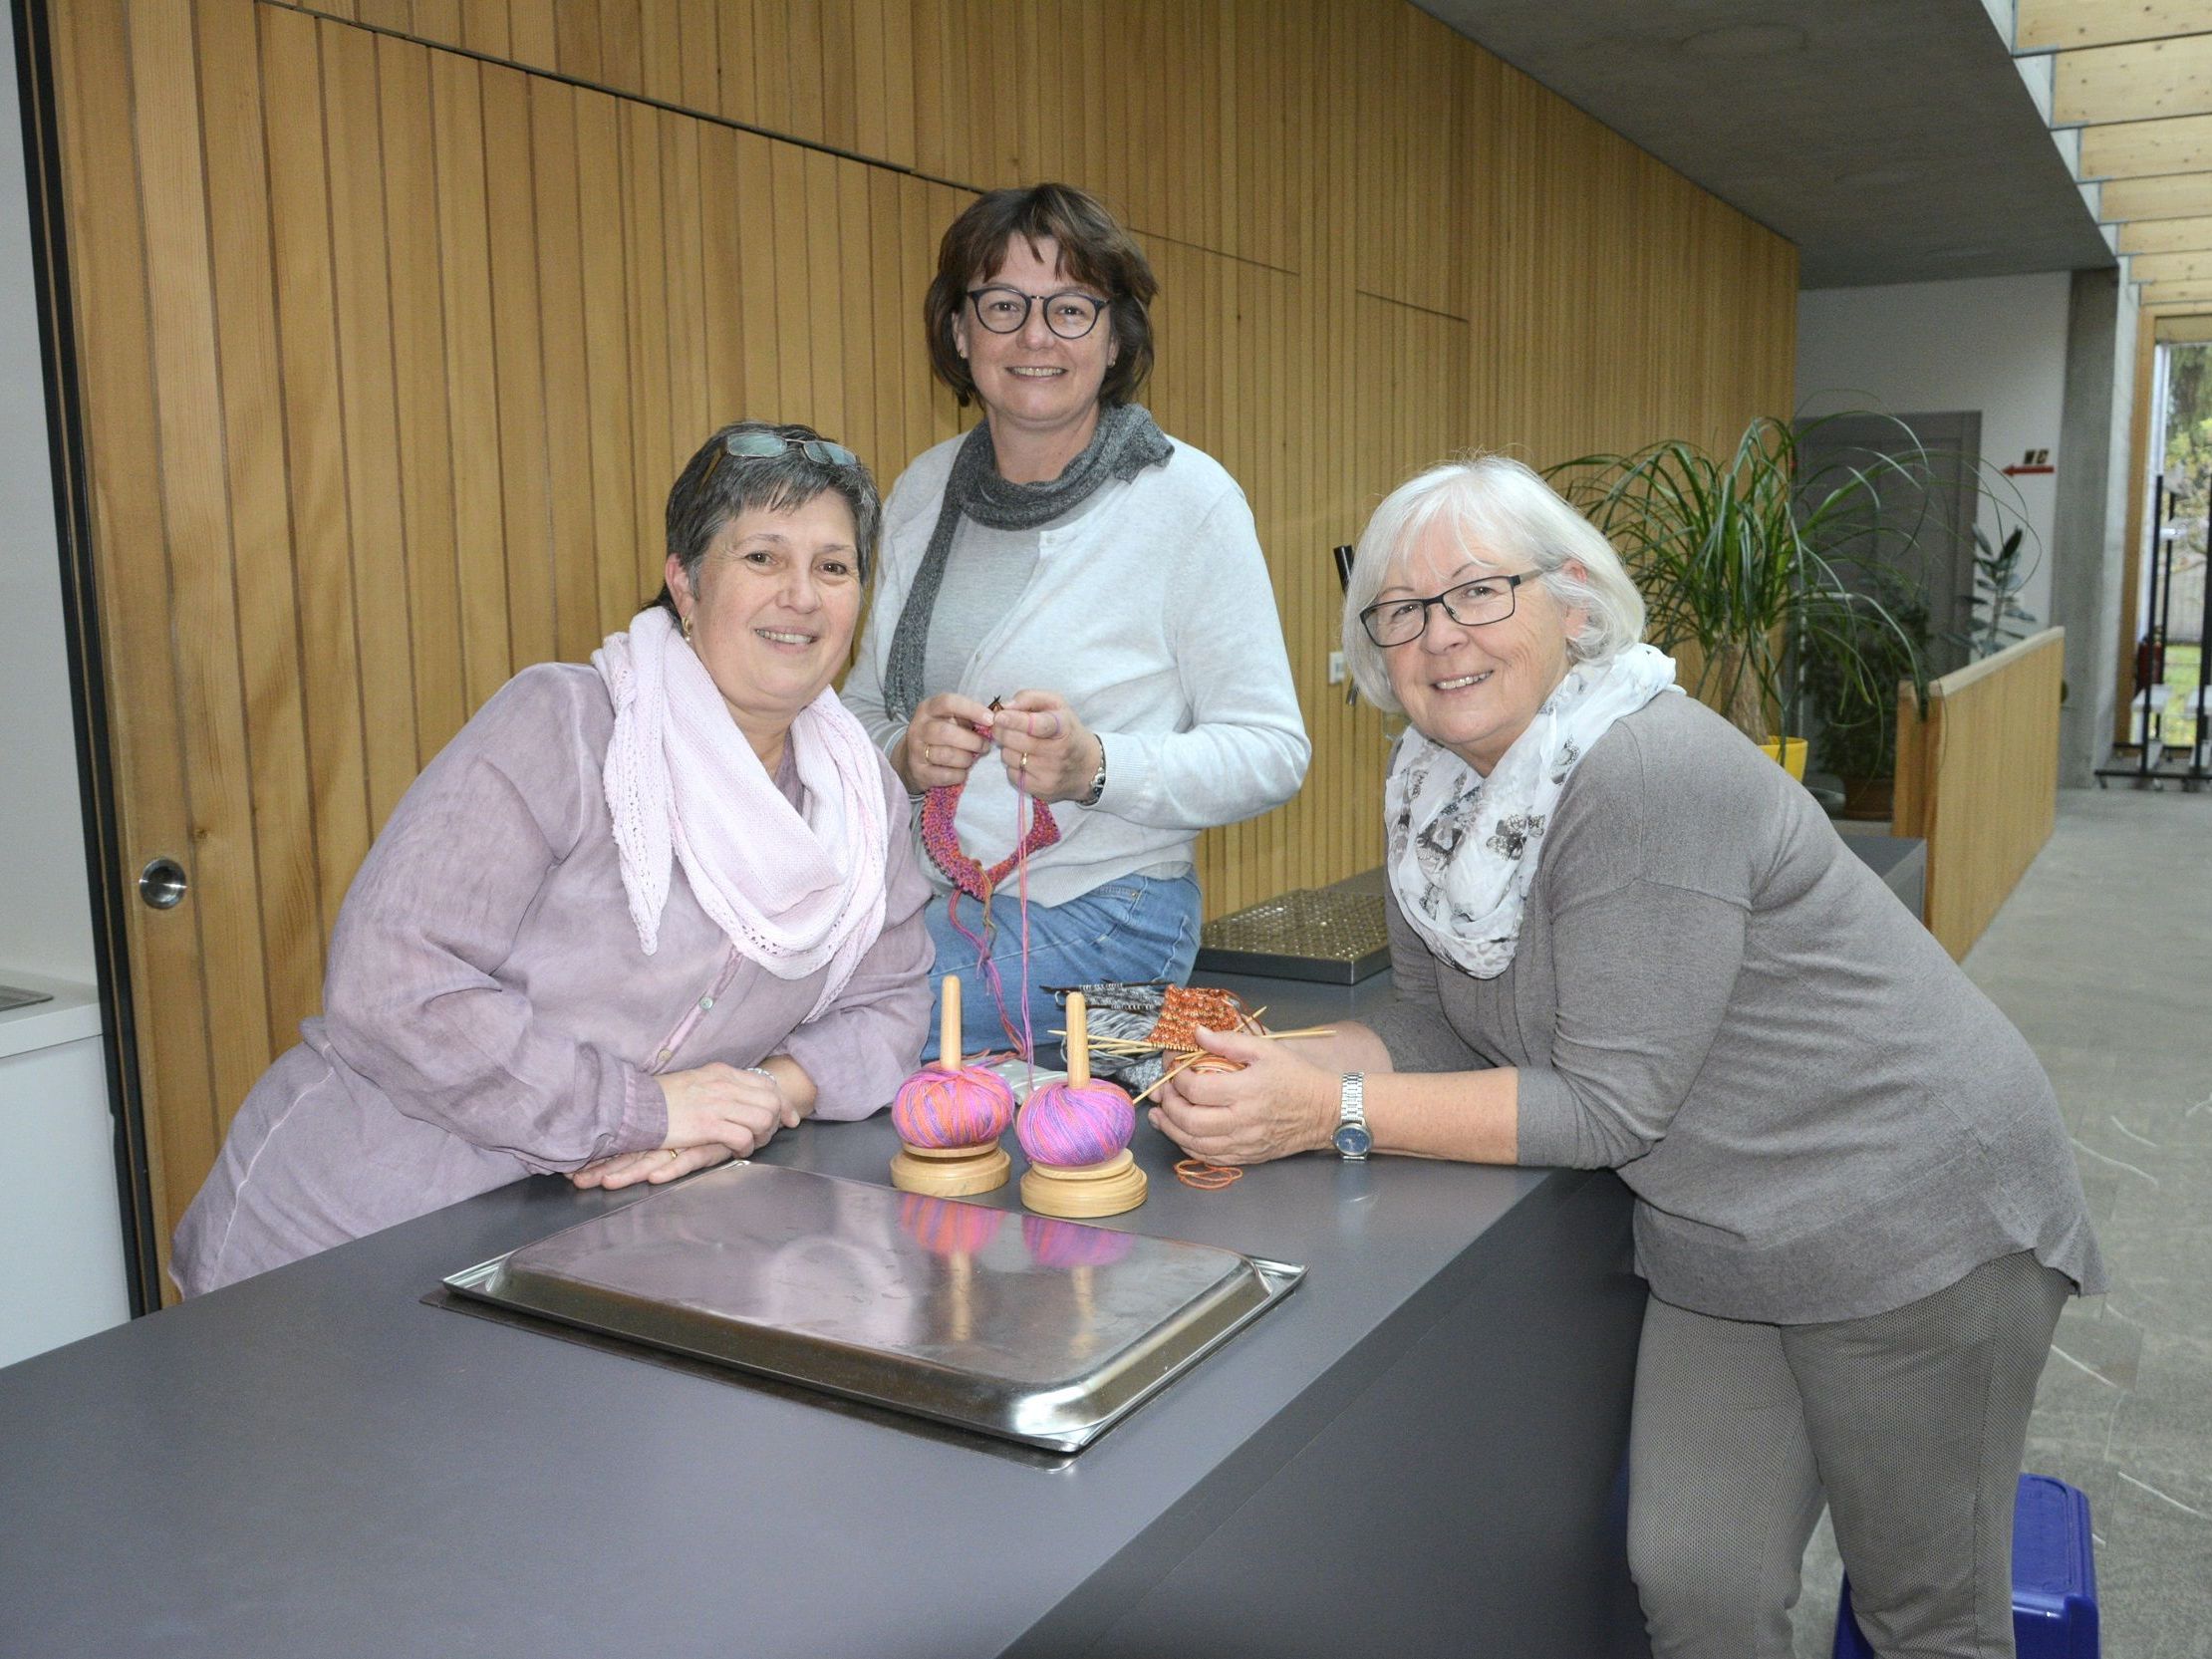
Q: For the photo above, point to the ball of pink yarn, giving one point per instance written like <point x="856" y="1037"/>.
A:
<point x="1063" y="1125"/>
<point x="1054" y="1244"/>
<point x="940" y="1108"/>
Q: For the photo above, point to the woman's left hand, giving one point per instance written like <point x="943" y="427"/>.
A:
<point x="1277" y="1104"/>
<point x="1048" y="754"/>
<point x="655" y="1165"/>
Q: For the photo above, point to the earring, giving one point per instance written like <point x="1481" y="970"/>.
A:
<point x="688" y="629"/>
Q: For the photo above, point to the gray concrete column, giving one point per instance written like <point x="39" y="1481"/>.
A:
<point x="2091" y="519"/>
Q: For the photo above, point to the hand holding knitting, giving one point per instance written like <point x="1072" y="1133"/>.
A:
<point x="947" y="734"/>
<point x="1274" y="1102"/>
<point x="1048" y="754"/>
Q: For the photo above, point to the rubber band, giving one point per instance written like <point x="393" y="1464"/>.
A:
<point x="1206" y="1176"/>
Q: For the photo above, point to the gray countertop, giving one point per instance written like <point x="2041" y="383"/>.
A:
<point x="317" y="1460"/>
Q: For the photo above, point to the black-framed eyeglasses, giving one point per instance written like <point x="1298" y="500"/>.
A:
<point x="771" y="446"/>
<point x="1071" y="313"/>
<point x="1397" y="621"/>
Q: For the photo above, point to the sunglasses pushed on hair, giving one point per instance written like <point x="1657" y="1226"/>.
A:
<point x="771" y="445"/>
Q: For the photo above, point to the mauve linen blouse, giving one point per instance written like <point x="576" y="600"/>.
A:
<point x="487" y="1012"/>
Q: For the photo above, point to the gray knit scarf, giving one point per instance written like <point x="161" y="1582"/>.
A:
<point x="1125" y="443"/>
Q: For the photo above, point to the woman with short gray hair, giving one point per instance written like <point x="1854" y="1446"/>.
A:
<point x="635" y="919"/>
<point x="1623" y="938"/>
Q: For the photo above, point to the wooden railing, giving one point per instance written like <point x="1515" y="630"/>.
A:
<point x="1978" y="779"/>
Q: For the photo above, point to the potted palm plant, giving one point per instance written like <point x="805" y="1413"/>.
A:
<point x="1747" y="561"/>
<point x="1854" y="693"/>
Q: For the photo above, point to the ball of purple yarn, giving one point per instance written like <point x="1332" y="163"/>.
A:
<point x="940" y="1108"/>
<point x="1063" y="1126"/>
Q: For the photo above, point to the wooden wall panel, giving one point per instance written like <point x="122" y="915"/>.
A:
<point x="1979" y="780"/>
<point x="835" y="72"/>
<point x="433" y="329"/>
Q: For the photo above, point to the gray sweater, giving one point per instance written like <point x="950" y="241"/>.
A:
<point x="1821" y="1117"/>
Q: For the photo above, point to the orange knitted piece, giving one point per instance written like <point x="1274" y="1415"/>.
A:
<point x="1186" y="1007"/>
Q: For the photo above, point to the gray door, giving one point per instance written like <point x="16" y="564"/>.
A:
<point x="1930" y="534"/>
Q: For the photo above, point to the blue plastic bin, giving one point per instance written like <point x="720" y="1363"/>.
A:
<point x="2053" y="1578"/>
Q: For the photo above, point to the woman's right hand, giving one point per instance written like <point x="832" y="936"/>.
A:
<point x="722" y="1105"/>
<point x="946" y="737"/>
<point x="716" y="1112"/>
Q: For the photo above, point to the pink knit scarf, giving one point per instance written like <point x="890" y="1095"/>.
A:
<point x="795" y="892"/>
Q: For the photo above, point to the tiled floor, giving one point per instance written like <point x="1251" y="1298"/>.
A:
<point x="2104" y="958"/>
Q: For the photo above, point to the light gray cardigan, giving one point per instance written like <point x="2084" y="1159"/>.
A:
<point x="1152" y="612"/>
<point x="1821" y="1117"/>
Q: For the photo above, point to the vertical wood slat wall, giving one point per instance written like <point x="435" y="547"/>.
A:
<point x="398" y="316"/>
<point x="1978" y="780"/>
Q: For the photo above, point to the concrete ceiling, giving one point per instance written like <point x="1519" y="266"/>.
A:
<point x="1891" y="140"/>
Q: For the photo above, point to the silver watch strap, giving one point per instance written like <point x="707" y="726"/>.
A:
<point x="1098" y="778"/>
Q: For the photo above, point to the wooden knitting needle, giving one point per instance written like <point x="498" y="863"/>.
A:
<point x="948" y="1025"/>
<point x="1078" y="1042"/>
<point x="1165" y="1075"/>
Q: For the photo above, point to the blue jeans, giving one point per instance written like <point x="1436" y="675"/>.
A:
<point x="1137" y="927"/>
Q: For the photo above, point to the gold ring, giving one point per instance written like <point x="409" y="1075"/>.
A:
<point x="673" y="1153"/>
<point x="1021" y="760"/>
<point x="929" y="755"/>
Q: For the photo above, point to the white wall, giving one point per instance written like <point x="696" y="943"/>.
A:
<point x="45" y="904"/>
<point x="1997" y="345"/>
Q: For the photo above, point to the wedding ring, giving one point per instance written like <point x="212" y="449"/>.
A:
<point x="673" y="1153"/>
<point x="929" y="754"/>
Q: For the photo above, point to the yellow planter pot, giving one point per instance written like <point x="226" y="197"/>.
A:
<point x="1790" y="751"/>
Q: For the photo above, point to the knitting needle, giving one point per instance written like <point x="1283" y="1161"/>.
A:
<point x="1164" y="1076"/>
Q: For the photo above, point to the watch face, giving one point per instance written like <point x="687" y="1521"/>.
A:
<point x="1353" y="1141"/>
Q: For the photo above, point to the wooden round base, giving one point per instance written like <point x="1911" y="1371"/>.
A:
<point x="950" y="1171"/>
<point x="1085" y="1189"/>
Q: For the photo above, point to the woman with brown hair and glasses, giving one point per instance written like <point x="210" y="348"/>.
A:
<point x="1100" y="584"/>
<point x="632" y="921"/>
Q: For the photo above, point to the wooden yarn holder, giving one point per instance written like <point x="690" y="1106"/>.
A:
<point x="950" y="1171"/>
<point x="1085" y="1189"/>
<point x="1079" y="1192"/>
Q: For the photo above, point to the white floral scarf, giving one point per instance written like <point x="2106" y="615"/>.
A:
<point x="1463" y="848"/>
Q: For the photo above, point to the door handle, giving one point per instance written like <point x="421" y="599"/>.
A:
<point x="161" y="884"/>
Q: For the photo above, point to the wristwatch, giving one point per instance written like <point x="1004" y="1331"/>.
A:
<point x="1098" y="779"/>
<point x="1351" y="1138"/>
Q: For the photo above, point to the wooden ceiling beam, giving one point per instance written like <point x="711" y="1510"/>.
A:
<point x="2185" y="196"/>
<point x="2172" y="267"/>
<point x="2141" y="148"/>
<point x="2064" y="24"/>
<point x="2167" y="236"/>
<point x="2178" y="293"/>
<point x="2185" y="329"/>
<point x="2154" y="80"/>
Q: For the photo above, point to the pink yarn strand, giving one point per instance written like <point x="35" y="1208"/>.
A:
<point x="983" y="963"/>
<point x="1024" y="1042"/>
<point x="1022" y="872"/>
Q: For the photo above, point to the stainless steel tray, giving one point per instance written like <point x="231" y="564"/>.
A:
<point x="1041" y="1331"/>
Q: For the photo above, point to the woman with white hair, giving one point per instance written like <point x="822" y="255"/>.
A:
<point x="1624" y="938"/>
